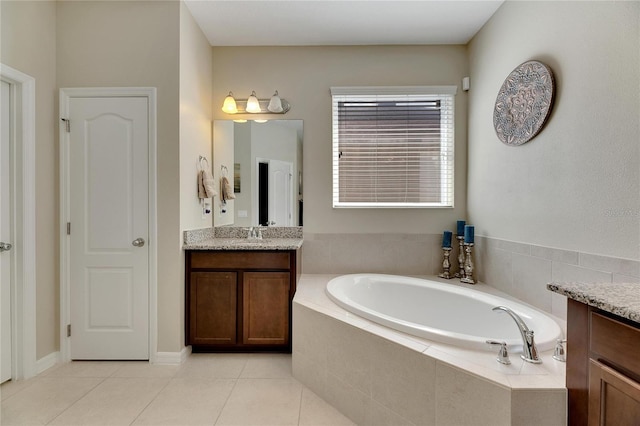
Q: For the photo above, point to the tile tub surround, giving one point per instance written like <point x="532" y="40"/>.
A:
<point x="622" y="299"/>
<point x="524" y="270"/>
<point x="375" y="375"/>
<point x="402" y="254"/>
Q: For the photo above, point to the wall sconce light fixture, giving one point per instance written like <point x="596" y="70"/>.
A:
<point x="253" y="105"/>
<point x="229" y="106"/>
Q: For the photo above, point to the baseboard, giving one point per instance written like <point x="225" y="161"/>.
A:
<point x="172" y="358"/>
<point x="47" y="362"/>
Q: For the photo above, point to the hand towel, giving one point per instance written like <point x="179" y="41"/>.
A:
<point x="226" y="189"/>
<point x="208" y="183"/>
<point x="202" y="192"/>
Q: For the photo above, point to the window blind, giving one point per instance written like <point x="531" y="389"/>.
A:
<point x="393" y="149"/>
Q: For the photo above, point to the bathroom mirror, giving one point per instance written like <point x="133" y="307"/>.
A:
<point x="263" y="163"/>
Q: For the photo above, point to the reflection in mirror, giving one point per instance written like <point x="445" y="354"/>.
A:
<point x="265" y="164"/>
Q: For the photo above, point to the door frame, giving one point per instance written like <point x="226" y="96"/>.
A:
<point x="23" y="297"/>
<point x="65" y="286"/>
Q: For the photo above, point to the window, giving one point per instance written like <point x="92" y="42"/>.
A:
<point x="393" y="146"/>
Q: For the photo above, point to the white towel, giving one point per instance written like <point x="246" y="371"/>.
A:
<point x="208" y="183"/>
<point x="202" y="193"/>
<point x="226" y="189"/>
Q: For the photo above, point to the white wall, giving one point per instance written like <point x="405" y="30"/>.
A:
<point x="304" y="76"/>
<point x="575" y="186"/>
<point x="34" y="53"/>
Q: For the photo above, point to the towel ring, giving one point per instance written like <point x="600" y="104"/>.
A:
<point x="224" y="170"/>
<point x="200" y="160"/>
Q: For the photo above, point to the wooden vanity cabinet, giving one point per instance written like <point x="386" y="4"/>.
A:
<point x="240" y="300"/>
<point x="603" y="367"/>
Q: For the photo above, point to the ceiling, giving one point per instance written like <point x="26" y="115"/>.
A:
<point x="334" y="22"/>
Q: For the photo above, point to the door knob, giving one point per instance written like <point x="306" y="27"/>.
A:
<point x="138" y="242"/>
<point x="5" y="247"/>
<point x="272" y="223"/>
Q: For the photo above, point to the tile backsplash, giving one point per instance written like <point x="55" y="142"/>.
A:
<point x="519" y="269"/>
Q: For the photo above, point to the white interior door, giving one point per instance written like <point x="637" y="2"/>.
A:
<point x="280" y="193"/>
<point x="6" y="348"/>
<point x="109" y="223"/>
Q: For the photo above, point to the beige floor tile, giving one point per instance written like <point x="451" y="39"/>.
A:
<point x="213" y="366"/>
<point x="45" y="399"/>
<point x="314" y="411"/>
<point x="116" y="401"/>
<point x="84" y="369"/>
<point x="188" y="401"/>
<point x="10" y="388"/>
<point x="267" y="366"/>
<point x="144" y="369"/>
<point x="263" y="402"/>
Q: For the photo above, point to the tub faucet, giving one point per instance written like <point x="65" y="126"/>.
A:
<point x="529" y="350"/>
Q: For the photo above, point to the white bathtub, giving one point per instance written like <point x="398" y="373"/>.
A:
<point x="440" y="312"/>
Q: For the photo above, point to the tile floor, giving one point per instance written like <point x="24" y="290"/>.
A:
<point x="208" y="389"/>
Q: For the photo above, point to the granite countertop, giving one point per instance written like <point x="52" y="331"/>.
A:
<point x="622" y="299"/>
<point x="235" y="238"/>
<point x="245" y="244"/>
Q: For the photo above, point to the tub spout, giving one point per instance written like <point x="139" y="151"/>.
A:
<point x="529" y="350"/>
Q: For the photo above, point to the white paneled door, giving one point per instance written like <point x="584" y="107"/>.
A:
<point x="109" y="227"/>
<point x="280" y="193"/>
<point x="6" y="348"/>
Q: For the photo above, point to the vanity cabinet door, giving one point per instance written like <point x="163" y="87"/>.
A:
<point x="614" y="399"/>
<point x="265" y="310"/>
<point x="213" y="308"/>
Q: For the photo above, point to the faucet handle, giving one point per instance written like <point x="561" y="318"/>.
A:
<point x="558" y="352"/>
<point x="503" y="355"/>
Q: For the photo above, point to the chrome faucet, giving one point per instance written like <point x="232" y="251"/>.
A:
<point x="255" y="233"/>
<point x="529" y="350"/>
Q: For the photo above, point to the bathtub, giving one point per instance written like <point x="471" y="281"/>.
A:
<point x="445" y="313"/>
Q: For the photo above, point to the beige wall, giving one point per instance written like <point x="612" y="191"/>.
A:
<point x="114" y="43"/>
<point x="304" y="76"/>
<point x="195" y="141"/>
<point x="576" y="186"/>
<point x="34" y="53"/>
<point x="195" y="116"/>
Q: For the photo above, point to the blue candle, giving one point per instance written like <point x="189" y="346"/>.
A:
<point x="446" y="239"/>
<point x="461" y="224"/>
<point x="468" y="234"/>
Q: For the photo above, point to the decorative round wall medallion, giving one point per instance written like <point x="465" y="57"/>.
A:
<point x="524" y="103"/>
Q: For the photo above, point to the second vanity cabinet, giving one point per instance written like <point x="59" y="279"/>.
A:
<point x="603" y="367"/>
<point x="240" y="300"/>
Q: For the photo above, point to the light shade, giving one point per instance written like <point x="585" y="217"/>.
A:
<point x="253" y="105"/>
<point x="229" y="105"/>
<point x="275" y="104"/>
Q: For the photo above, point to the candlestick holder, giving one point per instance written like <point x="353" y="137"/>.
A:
<point x="446" y="265"/>
<point x="460" y="273"/>
<point x="468" y="265"/>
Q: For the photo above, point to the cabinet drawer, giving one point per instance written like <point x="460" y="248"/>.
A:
<point x="239" y="260"/>
<point x="616" y="342"/>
